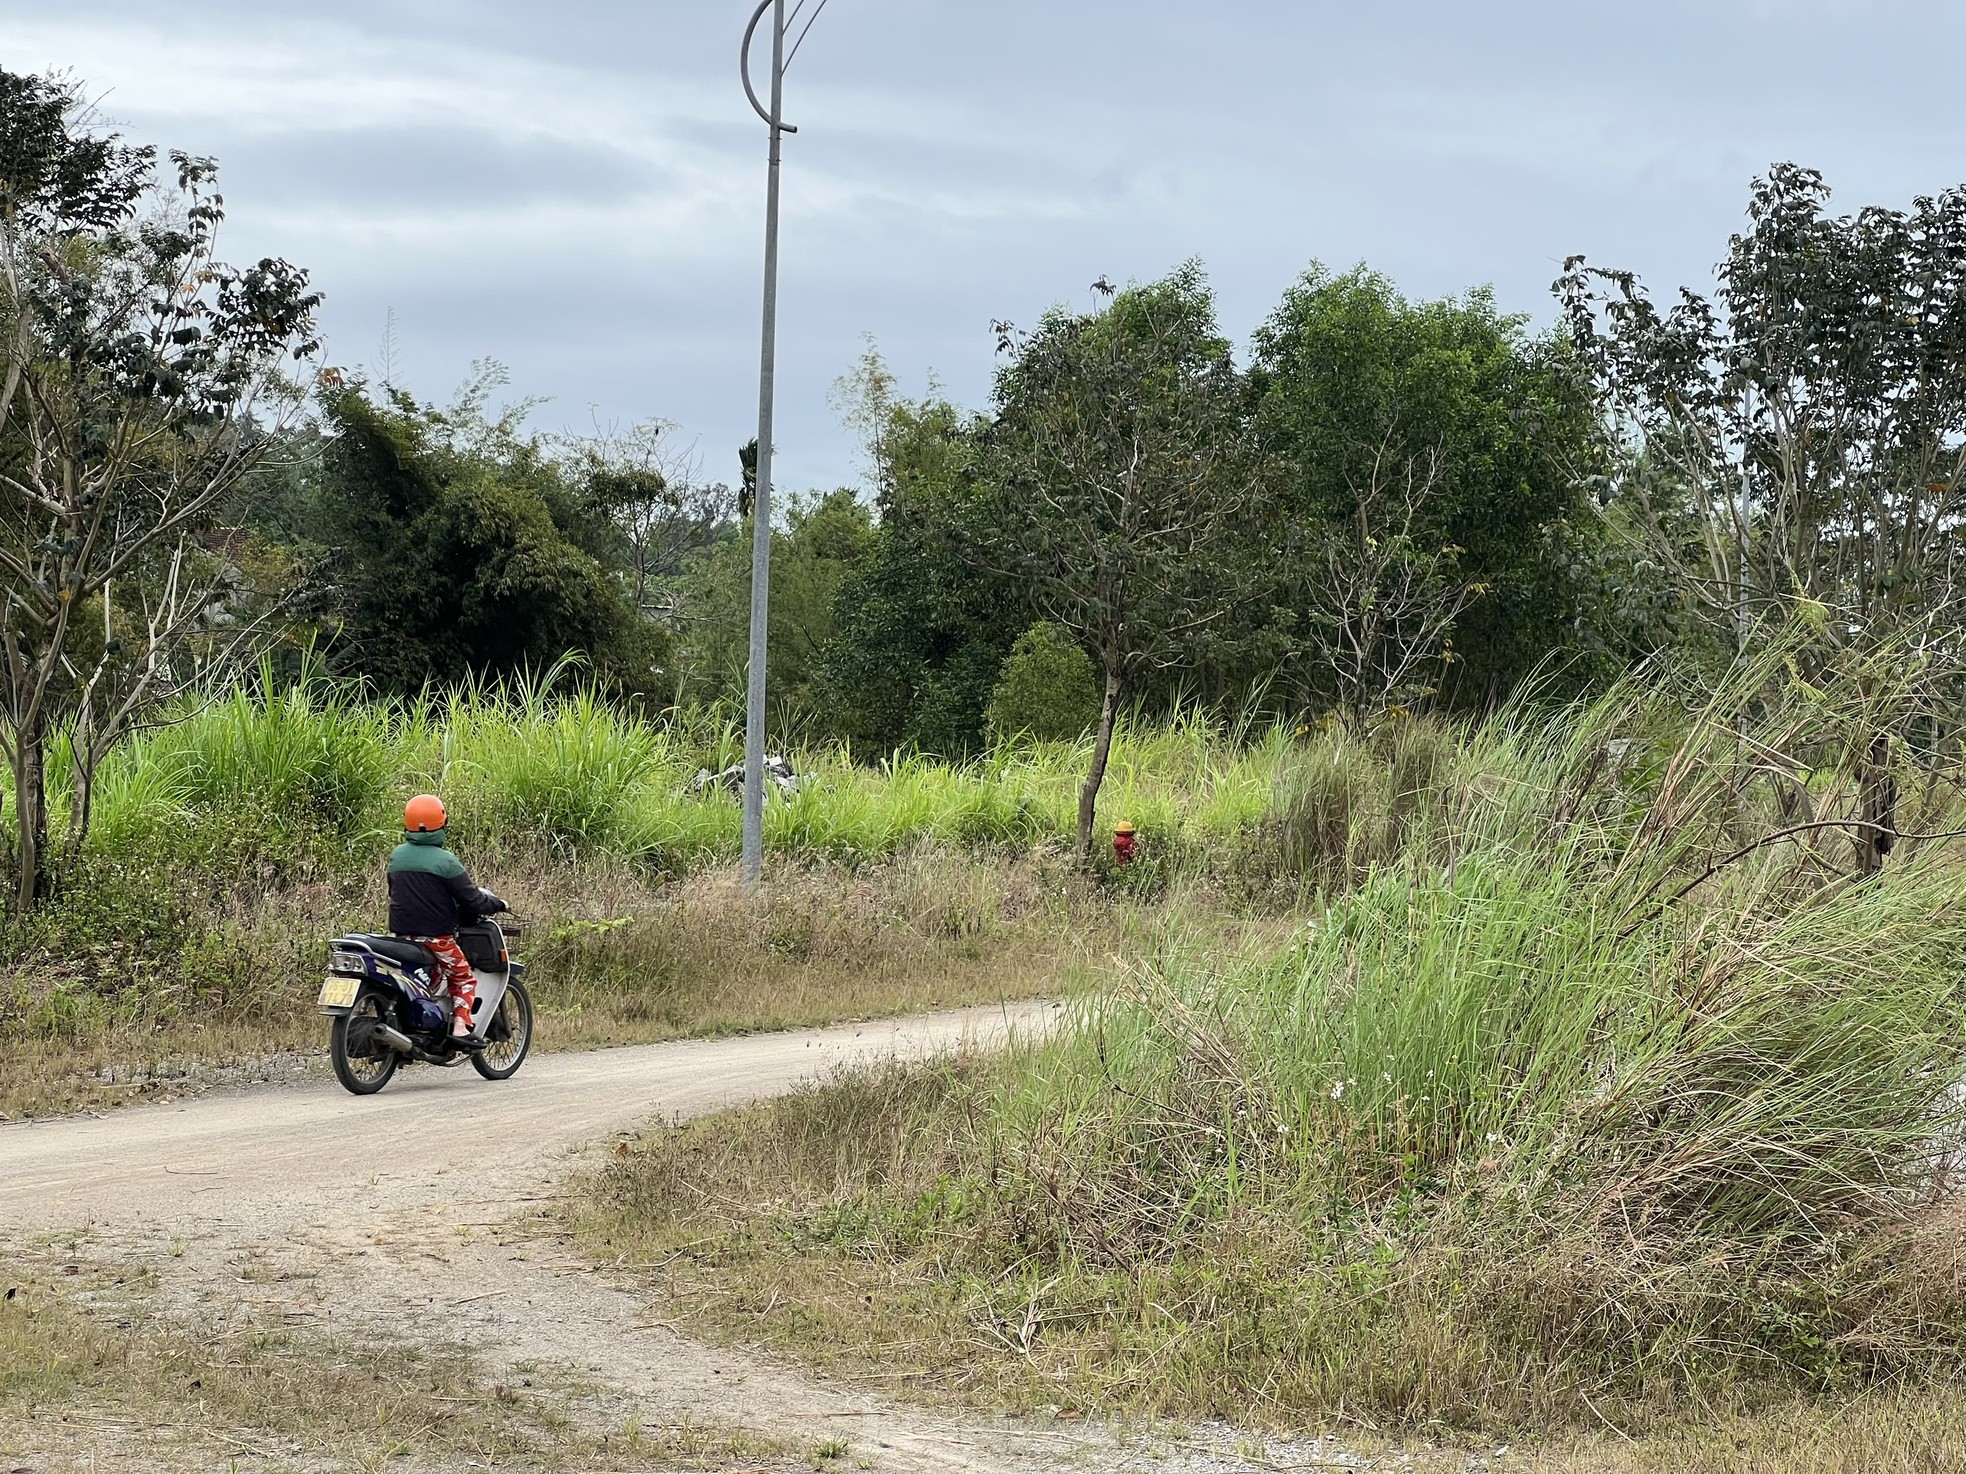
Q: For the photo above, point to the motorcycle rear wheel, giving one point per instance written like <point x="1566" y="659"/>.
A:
<point x="360" y="1074"/>
<point x="501" y="1057"/>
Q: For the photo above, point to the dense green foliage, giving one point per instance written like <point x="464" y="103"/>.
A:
<point x="452" y="548"/>
<point x="1794" y="444"/>
<point x="1048" y="690"/>
<point x="895" y="609"/>
<point x="922" y="631"/>
<point x="824" y="542"/>
<point x="894" y="612"/>
<point x="1348" y="381"/>
<point x="1352" y="383"/>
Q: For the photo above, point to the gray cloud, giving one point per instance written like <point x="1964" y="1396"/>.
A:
<point x="397" y="169"/>
<point x="577" y="189"/>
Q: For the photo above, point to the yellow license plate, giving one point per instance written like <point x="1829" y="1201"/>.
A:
<point x="340" y="992"/>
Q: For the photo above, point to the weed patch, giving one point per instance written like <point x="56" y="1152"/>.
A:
<point x="1572" y="1104"/>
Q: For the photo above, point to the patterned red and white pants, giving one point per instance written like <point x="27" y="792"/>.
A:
<point x="456" y="973"/>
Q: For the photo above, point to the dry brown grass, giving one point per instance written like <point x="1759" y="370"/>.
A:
<point x="89" y="1369"/>
<point x="1915" y="1430"/>
<point x="747" y="1223"/>
<point x="826" y="1226"/>
<point x="613" y="959"/>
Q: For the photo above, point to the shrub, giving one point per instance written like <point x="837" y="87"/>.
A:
<point x="1545" y="1115"/>
<point x="1047" y="690"/>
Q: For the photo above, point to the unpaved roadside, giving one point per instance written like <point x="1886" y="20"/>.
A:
<point x="402" y="1214"/>
<point x="302" y="1155"/>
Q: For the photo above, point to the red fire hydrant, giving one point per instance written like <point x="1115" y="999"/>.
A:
<point x="1123" y="843"/>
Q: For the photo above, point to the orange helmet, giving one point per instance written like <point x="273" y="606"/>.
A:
<point x="424" y="813"/>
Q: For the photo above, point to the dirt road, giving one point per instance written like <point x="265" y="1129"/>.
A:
<point x="304" y="1205"/>
<point x="294" y="1156"/>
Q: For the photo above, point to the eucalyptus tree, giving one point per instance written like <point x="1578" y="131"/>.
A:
<point x="1121" y="486"/>
<point x="140" y="378"/>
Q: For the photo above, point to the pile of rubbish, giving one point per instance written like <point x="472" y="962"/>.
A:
<point x="778" y="774"/>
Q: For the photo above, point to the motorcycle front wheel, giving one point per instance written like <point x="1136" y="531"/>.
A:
<point x="509" y="1036"/>
<point x="360" y="1073"/>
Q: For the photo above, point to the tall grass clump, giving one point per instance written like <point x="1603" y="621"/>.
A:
<point x="547" y="772"/>
<point x="1597" y="1080"/>
<point x="1347" y="802"/>
<point x="1570" y="1013"/>
<point x="295" y="763"/>
<point x="843" y="812"/>
<point x="544" y="767"/>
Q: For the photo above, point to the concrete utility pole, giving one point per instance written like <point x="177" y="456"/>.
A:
<point x="754" y="699"/>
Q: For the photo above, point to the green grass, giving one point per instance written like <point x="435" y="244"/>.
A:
<point x="558" y="772"/>
<point x="1543" y="1117"/>
<point x="235" y="836"/>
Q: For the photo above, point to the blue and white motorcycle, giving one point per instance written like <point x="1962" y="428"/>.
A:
<point x="390" y="1007"/>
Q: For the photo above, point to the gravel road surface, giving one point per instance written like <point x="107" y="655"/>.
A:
<point x="303" y="1205"/>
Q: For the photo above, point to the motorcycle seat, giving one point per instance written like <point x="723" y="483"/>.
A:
<point x="410" y="954"/>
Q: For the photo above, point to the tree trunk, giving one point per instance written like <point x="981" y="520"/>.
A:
<point x="30" y="819"/>
<point x="82" y="799"/>
<point x="1878" y="800"/>
<point x="1101" y="749"/>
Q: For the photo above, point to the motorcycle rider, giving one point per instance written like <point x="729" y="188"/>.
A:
<point x="431" y="895"/>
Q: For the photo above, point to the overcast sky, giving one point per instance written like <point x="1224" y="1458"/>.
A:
<point x="576" y="188"/>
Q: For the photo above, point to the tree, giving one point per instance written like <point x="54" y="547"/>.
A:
<point x="1048" y="690"/>
<point x="139" y="379"/>
<point x="1797" y="443"/>
<point x="1121" y="486"/>
<point x="1792" y="451"/>
<point x="920" y="630"/>
<point x="1360" y="392"/>
<point x="1377" y="596"/>
<point x="811" y="557"/>
<point x="464" y="549"/>
<point x="658" y="511"/>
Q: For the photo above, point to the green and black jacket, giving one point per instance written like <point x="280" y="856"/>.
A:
<point x="431" y="894"/>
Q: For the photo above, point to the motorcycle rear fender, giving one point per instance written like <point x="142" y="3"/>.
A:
<point x="491" y="992"/>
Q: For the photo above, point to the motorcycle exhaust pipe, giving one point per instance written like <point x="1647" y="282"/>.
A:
<point x="399" y="1042"/>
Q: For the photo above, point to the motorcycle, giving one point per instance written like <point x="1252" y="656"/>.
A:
<point x="390" y="1006"/>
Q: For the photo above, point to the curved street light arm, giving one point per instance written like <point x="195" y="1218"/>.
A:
<point x="744" y="67"/>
